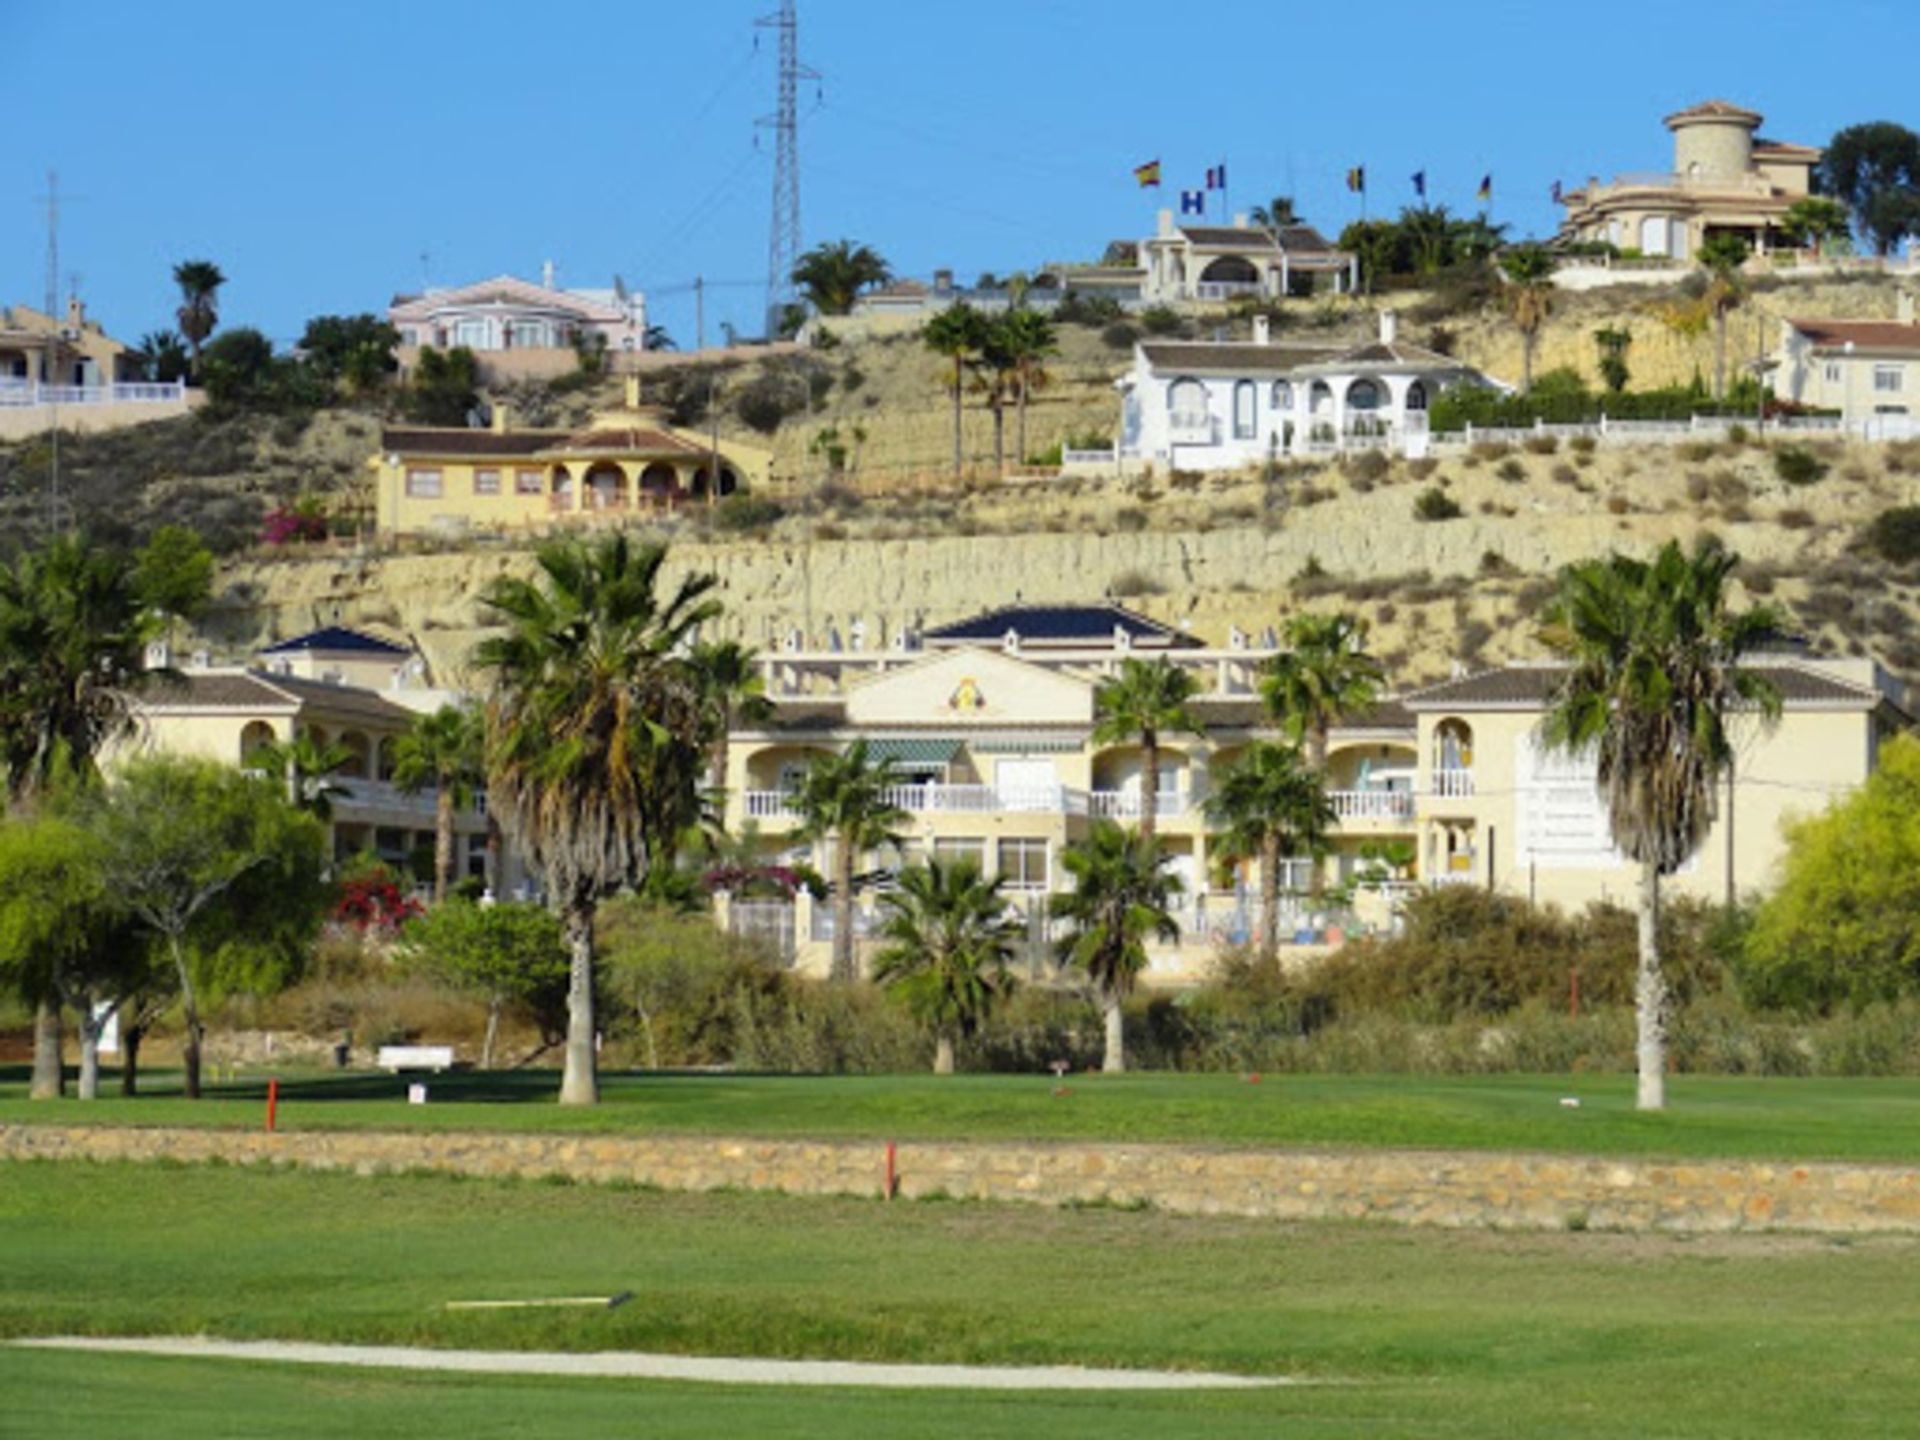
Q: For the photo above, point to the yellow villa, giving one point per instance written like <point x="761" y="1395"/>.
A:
<point x="624" y="461"/>
<point x="990" y="725"/>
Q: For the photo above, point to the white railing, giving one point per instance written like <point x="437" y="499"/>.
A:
<point x="768" y="804"/>
<point x="1088" y="457"/>
<point x="987" y="799"/>
<point x="1452" y="784"/>
<point x="1224" y="289"/>
<point x="1127" y="804"/>
<point x="28" y="393"/>
<point x="1372" y="804"/>
<point x="1192" y="429"/>
<point x="382" y="795"/>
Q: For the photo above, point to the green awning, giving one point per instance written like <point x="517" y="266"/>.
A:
<point x="915" y="751"/>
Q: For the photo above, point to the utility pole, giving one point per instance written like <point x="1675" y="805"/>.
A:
<point x="783" y="239"/>
<point x="51" y="358"/>
<point x="699" y="313"/>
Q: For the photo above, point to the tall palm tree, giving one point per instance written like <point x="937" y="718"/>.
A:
<point x="1121" y="891"/>
<point x="1428" y="231"/>
<point x="162" y="355"/>
<point x="199" y="312"/>
<point x="445" y="752"/>
<point x="583" y="686"/>
<point x="1027" y="338"/>
<point x="833" y="274"/>
<point x="1269" y="805"/>
<point x="732" y="693"/>
<point x="1146" y="700"/>
<point x="957" y="332"/>
<point x="993" y="378"/>
<point x="949" y="935"/>
<point x="1324" y="676"/>
<point x="312" y="768"/>
<point x="1721" y="255"/>
<point x="1276" y="214"/>
<point x="843" y="799"/>
<point x="1529" y="272"/>
<point x="1655" y="654"/>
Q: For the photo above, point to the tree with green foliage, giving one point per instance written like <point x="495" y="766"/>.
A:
<point x="444" y="751"/>
<point x="1322" y="677"/>
<point x="1025" y="338"/>
<point x="222" y="875"/>
<point x="1843" y="925"/>
<point x="1721" y="255"/>
<point x="1145" y="701"/>
<point x="173" y="574"/>
<point x="1874" y="170"/>
<point x="1655" y="653"/>
<point x="959" y="334"/>
<point x="584" y="684"/>
<point x="1529" y="272"/>
<point x="162" y="356"/>
<point x="511" y="955"/>
<point x="846" y="800"/>
<point x="1268" y="805"/>
<point x="199" y="312"/>
<point x="444" y="387"/>
<point x="311" y="767"/>
<point x="1275" y="215"/>
<point x="832" y="274"/>
<point x="732" y="693"/>
<point x="948" y="936"/>
<point x="1814" y="222"/>
<point x="1119" y="901"/>
<point x="356" y="351"/>
<point x="1613" y="342"/>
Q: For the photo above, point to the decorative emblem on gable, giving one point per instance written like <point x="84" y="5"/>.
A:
<point x="966" y="697"/>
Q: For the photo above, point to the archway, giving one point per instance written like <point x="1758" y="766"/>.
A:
<point x="729" y="480"/>
<point x="1187" y="401"/>
<point x="386" y="757"/>
<point x="1364" y="395"/>
<point x="606" y="487"/>
<point x="1417" y="396"/>
<point x="359" y="753"/>
<point x="659" y="482"/>
<point x="562" y="498"/>
<point x="1230" y="270"/>
<point x="1320" y="398"/>
<point x="254" y="738"/>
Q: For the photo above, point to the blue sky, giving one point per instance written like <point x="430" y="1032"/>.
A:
<point x="318" y="152"/>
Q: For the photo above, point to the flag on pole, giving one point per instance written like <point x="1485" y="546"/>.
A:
<point x="1420" y="183"/>
<point x="1193" y="202"/>
<point x="1148" y="174"/>
<point x="1558" y="194"/>
<point x="1485" y="192"/>
<point x="1217" y="176"/>
<point x="1357" y="180"/>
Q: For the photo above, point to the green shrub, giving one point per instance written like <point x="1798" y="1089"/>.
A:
<point x="1367" y="466"/>
<point x="1434" y="504"/>
<point x="1511" y="471"/>
<point x="1798" y="466"/>
<point x="741" y="512"/>
<point x="1162" y="320"/>
<point x="1895" y="534"/>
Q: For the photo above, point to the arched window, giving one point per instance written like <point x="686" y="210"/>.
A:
<point x="1282" y="395"/>
<point x="1320" y="398"/>
<point x="1416" y="396"/>
<point x="1187" y="401"/>
<point x="1364" y="395"/>
<point x="1243" y="407"/>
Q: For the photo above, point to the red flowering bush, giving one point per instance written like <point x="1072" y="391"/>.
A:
<point x="371" y="899"/>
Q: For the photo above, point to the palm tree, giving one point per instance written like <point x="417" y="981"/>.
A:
<point x="732" y="693"/>
<point x="993" y="378"/>
<point x="949" y="934"/>
<point x="1276" y="214"/>
<point x="162" y="355"/>
<point x="1655" y="653"/>
<point x="199" y="312"/>
<point x="1529" y="272"/>
<point x="844" y="798"/>
<point x="583" y="686"/>
<point x="958" y="332"/>
<point x="310" y="766"/>
<point x="1323" y="676"/>
<point x="445" y="752"/>
<point x="1146" y="700"/>
<point x="1429" y="231"/>
<point x="1026" y="338"/>
<point x="1269" y="805"/>
<point x="1721" y="255"/>
<point x="832" y="275"/>
<point x="1119" y="900"/>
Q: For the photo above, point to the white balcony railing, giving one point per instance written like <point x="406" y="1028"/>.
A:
<point x="944" y="800"/>
<point x="1225" y="289"/>
<point x="1453" y="784"/>
<point x="1372" y="804"/>
<point x="768" y="804"/>
<point x="1126" y="804"/>
<point x="28" y="393"/>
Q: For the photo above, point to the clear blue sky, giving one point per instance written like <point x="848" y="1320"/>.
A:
<point x="316" y="152"/>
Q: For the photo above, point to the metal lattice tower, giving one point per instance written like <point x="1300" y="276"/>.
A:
<point x="783" y="239"/>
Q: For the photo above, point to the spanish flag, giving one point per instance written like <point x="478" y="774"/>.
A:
<point x="1147" y="174"/>
<point x="1357" y="179"/>
<point x="1485" y="192"/>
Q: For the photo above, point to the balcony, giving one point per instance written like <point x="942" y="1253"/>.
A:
<point x="944" y="800"/>
<point x="1372" y="804"/>
<point x="1453" y="784"/>
<point x="29" y="393"/>
<point x="1225" y="289"/>
<point x="1126" y="804"/>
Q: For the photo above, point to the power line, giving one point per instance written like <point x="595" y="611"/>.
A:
<point x="783" y="237"/>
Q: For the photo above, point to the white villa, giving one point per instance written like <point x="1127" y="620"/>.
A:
<point x="516" y="328"/>
<point x="1226" y="262"/>
<point x="1868" y="370"/>
<point x="1220" y="405"/>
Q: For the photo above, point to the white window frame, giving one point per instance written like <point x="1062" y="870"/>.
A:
<point x="1245" y="404"/>
<point x="529" y="482"/>
<point x="1889" y="379"/>
<point x="425" y="484"/>
<point x="486" y="481"/>
<point x="1831" y="372"/>
<point x="1022" y="846"/>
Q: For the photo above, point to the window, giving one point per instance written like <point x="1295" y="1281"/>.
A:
<point x="1889" y="379"/>
<point x="1243" y="402"/>
<point x="486" y="482"/>
<point x="952" y="850"/>
<point x="1282" y="395"/>
<point x="526" y="335"/>
<point x="410" y="337"/>
<point x="423" y="484"/>
<point x="528" y="482"/>
<point x="471" y="333"/>
<point x="1023" y="863"/>
<point x="1187" y="403"/>
<point x="1831" y="372"/>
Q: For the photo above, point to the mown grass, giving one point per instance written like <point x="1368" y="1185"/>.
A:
<point x="1710" y="1116"/>
<point x="1429" y="1333"/>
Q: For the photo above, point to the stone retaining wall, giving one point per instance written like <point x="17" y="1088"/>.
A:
<point x="1404" y="1186"/>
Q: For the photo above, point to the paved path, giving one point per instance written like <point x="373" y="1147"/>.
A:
<point x="627" y="1365"/>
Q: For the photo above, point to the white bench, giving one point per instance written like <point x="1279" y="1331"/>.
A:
<point x="415" y="1057"/>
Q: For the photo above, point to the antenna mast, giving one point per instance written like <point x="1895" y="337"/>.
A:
<point x="783" y="240"/>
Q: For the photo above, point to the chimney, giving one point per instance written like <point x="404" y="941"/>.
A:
<point x="1239" y="219"/>
<point x="502" y="417"/>
<point x="1262" y="330"/>
<point x="77" y="314"/>
<point x="942" y="282"/>
<point x="1389" y="327"/>
<point x="1165" y="223"/>
<point x="546" y="273"/>
<point x="633" y="392"/>
<point x="1905" y="303"/>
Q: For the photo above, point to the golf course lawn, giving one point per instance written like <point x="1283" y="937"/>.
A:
<point x="1709" y="1116"/>
<point x="1409" y="1332"/>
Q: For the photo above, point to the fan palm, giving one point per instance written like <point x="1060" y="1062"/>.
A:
<point x="1721" y="256"/>
<point x="949" y="934"/>
<point x="957" y="333"/>
<point x="310" y="766"/>
<point x="1324" y="676"/>
<point x="199" y="312"/>
<point x="731" y="693"/>
<point x="833" y="275"/>
<point x="844" y="799"/>
<point x="1026" y="338"/>
<point x="444" y="752"/>
<point x="1121" y="891"/>
<point x="583" y="686"/>
<point x="1269" y="805"/>
<point x="1146" y="700"/>
<point x="1276" y="214"/>
<point x="1655" y="673"/>
<point x="1529" y="272"/>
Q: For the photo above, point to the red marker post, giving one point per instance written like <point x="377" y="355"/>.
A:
<point x="892" y="1184"/>
<point x="273" y="1101"/>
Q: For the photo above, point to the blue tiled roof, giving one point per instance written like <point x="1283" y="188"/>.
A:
<point x="1090" y="624"/>
<point x="337" y="640"/>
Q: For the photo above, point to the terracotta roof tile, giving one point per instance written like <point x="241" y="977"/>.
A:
<point x="1883" y="335"/>
<point x="424" y="442"/>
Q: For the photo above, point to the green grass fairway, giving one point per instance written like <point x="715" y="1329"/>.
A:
<point x="1435" y="1333"/>
<point x="1710" y="1116"/>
